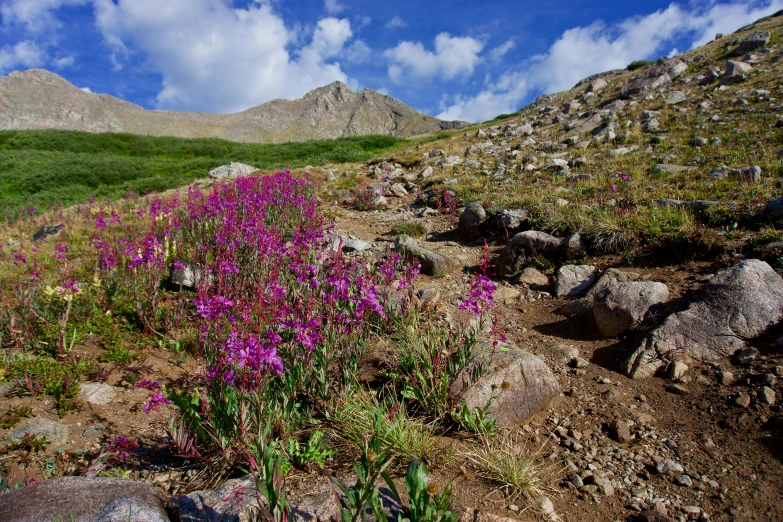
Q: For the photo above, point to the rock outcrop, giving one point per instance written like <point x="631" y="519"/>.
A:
<point x="737" y="304"/>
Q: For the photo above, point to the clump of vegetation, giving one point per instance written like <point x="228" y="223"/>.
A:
<point x="409" y="228"/>
<point x="638" y="64"/>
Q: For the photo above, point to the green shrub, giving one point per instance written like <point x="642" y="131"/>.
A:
<point x="638" y="64"/>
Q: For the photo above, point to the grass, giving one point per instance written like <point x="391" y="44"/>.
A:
<point x="48" y="168"/>
<point x="638" y="64"/>
<point x="504" y="462"/>
<point x="411" y="228"/>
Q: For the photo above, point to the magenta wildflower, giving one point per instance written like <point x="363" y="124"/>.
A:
<point x="154" y="401"/>
<point x="480" y="298"/>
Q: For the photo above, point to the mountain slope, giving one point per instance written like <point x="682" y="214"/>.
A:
<point x="39" y="99"/>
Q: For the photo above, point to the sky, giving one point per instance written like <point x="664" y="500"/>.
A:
<point x="455" y="59"/>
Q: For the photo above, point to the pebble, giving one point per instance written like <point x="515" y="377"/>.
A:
<point x="767" y="395"/>
<point x="620" y="431"/>
<point x="742" y="400"/>
<point x="669" y="467"/>
<point x="578" y="362"/>
<point x="678" y="389"/>
<point x="726" y="378"/>
<point x="683" y="480"/>
<point x="746" y="355"/>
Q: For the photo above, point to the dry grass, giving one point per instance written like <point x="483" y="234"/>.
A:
<point x="504" y="462"/>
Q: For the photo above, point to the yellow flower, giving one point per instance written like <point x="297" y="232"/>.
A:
<point x="49" y="291"/>
<point x="96" y="281"/>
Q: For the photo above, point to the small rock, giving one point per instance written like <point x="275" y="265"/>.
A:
<point x="533" y="278"/>
<point x="742" y="400"/>
<point x="683" y="480"/>
<point x="675" y="98"/>
<point x="767" y="395"/>
<point x="578" y="362"/>
<point x="726" y="378"/>
<point x="746" y="355"/>
<point x="678" y="389"/>
<point x="677" y="370"/>
<point x="572" y="280"/>
<point x="620" y="431"/>
<point x="53" y="431"/>
<point x="98" y="393"/>
<point x="669" y="467"/>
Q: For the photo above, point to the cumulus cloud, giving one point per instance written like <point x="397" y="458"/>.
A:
<point x="396" y="23"/>
<point x="453" y="56"/>
<point x="23" y="54"/>
<point x="86" y="89"/>
<point x="582" y="51"/>
<point x="213" y="57"/>
<point x="334" y="7"/>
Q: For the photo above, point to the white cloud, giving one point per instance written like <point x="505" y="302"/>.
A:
<point x="396" y="23"/>
<point x="500" y="51"/>
<point x="582" y="51"/>
<point x="334" y="7"/>
<point x="34" y="15"/>
<point x="62" y="63"/>
<point x="358" y="52"/>
<point x="24" y="54"/>
<point x="216" y="58"/>
<point x="453" y="56"/>
<point x="86" y="89"/>
<point x="361" y="22"/>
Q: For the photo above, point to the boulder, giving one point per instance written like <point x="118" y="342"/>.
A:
<point x="755" y="41"/>
<point x="735" y="72"/>
<point x="432" y="263"/>
<point x="46" y="231"/>
<point x="737" y="304"/>
<point x="469" y="221"/>
<point x="530" y="244"/>
<point x="53" y="431"/>
<point x="585" y="304"/>
<point x="520" y="383"/>
<point x="510" y="219"/>
<point x="597" y="85"/>
<point x="232" y="170"/>
<point x="624" y="306"/>
<point x="84" y="499"/>
<point x="572" y="280"/>
<point x="676" y="97"/>
<point x="653" y="78"/>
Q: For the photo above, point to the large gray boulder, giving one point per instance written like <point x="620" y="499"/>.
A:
<point x="530" y="244"/>
<point x="624" y="306"/>
<point x="520" y="382"/>
<point x="432" y="263"/>
<point x="585" y="304"/>
<point x="738" y="303"/>
<point x="751" y="43"/>
<point x="232" y="170"/>
<point x="82" y="499"/>
<point x="469" y="221"/>
<point x="653" y="78"/>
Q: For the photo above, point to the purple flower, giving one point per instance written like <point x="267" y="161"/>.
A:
<point x="480" y="298"/>
<point x="154" y="401"/>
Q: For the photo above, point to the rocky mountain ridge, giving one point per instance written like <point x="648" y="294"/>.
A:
<point x="39" y="99"/>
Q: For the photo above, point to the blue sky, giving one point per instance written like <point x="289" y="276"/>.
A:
<point x="457" y="59"/>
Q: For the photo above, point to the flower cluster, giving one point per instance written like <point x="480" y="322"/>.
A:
<point x="480" y="298"/>
<point x="122" y="447"/>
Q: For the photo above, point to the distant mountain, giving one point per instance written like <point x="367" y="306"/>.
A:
<point x="39" y="99"/>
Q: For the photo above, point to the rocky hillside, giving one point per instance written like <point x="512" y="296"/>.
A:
<point x="38" y="99"/>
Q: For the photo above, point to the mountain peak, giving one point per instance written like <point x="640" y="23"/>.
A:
<point x="40" y="99"/>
